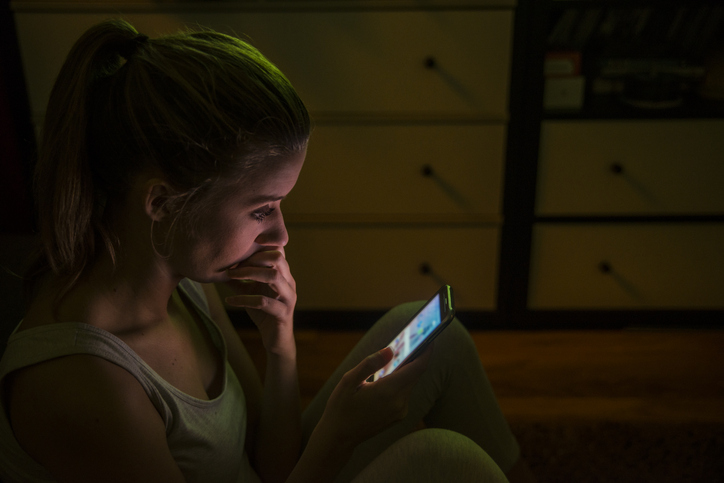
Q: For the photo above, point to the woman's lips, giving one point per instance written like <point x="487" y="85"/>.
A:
<point x="236" y="265"/>
<point x="231" y="267"/>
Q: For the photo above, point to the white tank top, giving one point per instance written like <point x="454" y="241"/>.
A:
<point x="206" y="438"/>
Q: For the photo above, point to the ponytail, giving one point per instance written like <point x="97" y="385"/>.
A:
<point x="69" y="219"/>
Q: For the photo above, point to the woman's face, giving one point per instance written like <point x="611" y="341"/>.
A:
<point x="248" y="221"/>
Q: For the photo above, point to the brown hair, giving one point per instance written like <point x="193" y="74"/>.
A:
<point x="200" y="106"/>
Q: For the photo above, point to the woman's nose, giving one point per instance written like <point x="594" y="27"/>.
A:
<point x="275" y="235"/>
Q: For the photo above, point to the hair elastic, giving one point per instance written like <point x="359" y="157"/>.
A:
<point x="131" y="45"/>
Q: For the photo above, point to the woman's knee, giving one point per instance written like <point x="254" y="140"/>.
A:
<point x="432" y="455"/>
<point x="400" y="314"/>
<point x="451" y="456"/>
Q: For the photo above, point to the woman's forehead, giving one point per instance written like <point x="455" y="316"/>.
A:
<point x="272" y="184"/>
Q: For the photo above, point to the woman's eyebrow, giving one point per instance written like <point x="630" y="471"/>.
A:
<point x="266" y="199"/>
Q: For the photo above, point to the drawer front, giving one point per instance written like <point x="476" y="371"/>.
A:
<point x="377" y="268"/>
<point x="401" y="170"/>
<point x="361" y="61"/>
<point x="652" y="266"/>
<point x="632" y="167"/>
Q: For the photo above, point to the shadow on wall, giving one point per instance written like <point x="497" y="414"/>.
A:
<point x="15" y="251"/>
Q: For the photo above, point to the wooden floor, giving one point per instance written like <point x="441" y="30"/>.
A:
<point x="656" y="376"/>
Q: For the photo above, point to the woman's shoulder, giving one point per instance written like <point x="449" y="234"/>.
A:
<point x="79" y="404"/>
<point x="63" y="392"/>
<point x="69" y="385"/>
<point x="71" y="382"/>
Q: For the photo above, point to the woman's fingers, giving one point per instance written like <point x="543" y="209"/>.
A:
<point x="357" y="410"/>
<point x="272" y="259"/>
<point x="260" y="281"/>
<point x="407" y="375"/>
<point x="264" y="286"/>
<point x="275" y="308"/>
<point x="404" y="376"/>
<point x="413" y="369"/>
<point x="264" y="273"/>
<point x="371" y="364"/>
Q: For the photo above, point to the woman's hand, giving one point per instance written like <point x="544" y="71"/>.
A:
<point x="266" y="288"/>
<point x="357" y="410"/>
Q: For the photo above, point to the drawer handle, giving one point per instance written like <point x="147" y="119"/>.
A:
<point x="638" y="185"/>
<point x="430" y="62"/>
<point x="616" y="168"/>
<point x="624" y="283"/>
<point x="461" y="200"/>
<point x="428" y="172"/>
<point x="426" y="270"/>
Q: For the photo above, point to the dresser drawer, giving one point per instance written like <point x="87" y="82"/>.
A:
<point x="631" y="167"/>
<point x="361" y="268"/>
<point x="622" y="266"/>
<point x="418" y="169"/>
<point x="394" y="62"/>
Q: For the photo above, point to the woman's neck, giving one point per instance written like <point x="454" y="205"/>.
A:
<point x="130" y="295"/>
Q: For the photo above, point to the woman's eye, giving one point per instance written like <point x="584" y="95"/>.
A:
<point x="259" y="215"/>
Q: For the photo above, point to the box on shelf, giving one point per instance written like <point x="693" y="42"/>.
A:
<point x="564" y="85"/>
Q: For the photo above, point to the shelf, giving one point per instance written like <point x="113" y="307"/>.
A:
<point x="611" y="107"/>
<point x="554" y="4"/>
<point x="695" y="218"/>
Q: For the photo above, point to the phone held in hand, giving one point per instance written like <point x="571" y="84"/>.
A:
<point x="425" y="325"/>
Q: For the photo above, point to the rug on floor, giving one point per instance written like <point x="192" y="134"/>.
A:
<point x="583" y="452"/>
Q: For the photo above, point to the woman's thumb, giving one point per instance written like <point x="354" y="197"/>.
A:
<point x="370" y="365"/>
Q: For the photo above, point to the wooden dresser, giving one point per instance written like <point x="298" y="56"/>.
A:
<point x="613" y="205"/>
<point x="669" y="171"/>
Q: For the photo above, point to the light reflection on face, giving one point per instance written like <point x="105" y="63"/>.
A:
<point x="248" y="221"/>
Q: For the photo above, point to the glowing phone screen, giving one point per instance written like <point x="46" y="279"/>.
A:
<point x="413" y="335"/>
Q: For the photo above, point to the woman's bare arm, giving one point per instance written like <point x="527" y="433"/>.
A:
<point x="273" y="407"/>
<point x="86" y="420"/>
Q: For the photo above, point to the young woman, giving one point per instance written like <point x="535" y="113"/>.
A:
<point x="162" y="167"/>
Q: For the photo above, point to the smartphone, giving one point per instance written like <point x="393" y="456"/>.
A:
<point x="425" y="325"/>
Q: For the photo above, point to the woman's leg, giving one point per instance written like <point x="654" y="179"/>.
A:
<point x="454" y="393"/>
<point x="432" y="456"/>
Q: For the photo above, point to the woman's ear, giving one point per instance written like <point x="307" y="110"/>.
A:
<point x="157" y="197"/>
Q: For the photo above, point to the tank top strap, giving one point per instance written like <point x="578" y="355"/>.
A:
<point x="195" y="293"/>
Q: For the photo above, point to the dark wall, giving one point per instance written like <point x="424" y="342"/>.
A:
<point x="17" y="158"/>
<point x="17" y="142"/>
